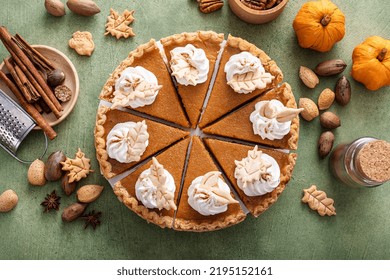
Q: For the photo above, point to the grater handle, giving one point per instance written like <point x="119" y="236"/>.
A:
<point x="29" y="161"/>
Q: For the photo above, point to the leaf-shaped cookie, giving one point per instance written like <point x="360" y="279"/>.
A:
<point x="317" y="200"/>
<point x="117" y="25"/>
<point x="250" y="81"/>
<point x="137" y="138"/>
<point x="78" y="167"/>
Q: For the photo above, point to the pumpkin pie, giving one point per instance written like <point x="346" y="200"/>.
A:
<point x="161" y="136"/>
<point x="187" y="218"/>
<point x="173" y="160"/>
<point x="193" y="96"/>
<point x="166" y="105"/>
<point x="238" y="124"/>
<point x="226" y="153"/>
<point x="223" y="99"/>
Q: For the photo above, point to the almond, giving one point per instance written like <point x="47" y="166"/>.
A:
<point x="308" y="77"/>
<point x="8" y="200"/>
<point x="36" y="173"/>
<point x="55" y="8"/>
<point x="83" y="7"/>
<point x="329" y="120"/>
<point x="310" y="109"/>
<point x="325" y="143"/>
<point x="89" y="193"/>
<point x="326" y="98"/>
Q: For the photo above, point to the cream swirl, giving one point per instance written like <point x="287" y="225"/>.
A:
<point x="155" y="187"/>
<point x="245" y="73"/>
<point x="257" y="174"/>
<point x="126" y="142"/>
<point x="136" y="87"/>
<point x="271" y="119"/>
<point x="209" y="194"/>
<point x="189" y="65"/>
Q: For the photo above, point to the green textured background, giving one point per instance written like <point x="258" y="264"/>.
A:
<point x="288" y="230"/>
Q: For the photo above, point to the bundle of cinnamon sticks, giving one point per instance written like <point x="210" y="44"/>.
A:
<point x="27" y="82"/>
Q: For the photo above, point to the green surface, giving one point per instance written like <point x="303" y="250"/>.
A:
<point x="288" y="230"/>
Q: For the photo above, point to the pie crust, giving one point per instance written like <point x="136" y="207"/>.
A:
<point x="148" y="56"/>
<point x="255" y="204"/>
<point x="173" y="160"/>
<point x="223" y="99"/>
<point x="237" y="125"/>
<point x="161" y="136"/>
<point x="193" y="96"/>
<point x="188" y="219"/>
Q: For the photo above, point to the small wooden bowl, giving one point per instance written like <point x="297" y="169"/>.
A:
<point x="60" y="61"/>
<point x="256" y="16"/>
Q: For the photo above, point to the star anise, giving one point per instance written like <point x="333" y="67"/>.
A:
<point x="92" y="218"/>
<point x="52" y="201"/>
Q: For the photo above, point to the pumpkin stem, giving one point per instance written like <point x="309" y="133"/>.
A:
<point x="381" y="55"/>
<point x="325" y="20"/>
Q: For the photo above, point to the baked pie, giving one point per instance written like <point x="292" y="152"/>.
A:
<point x="226" y="95"/>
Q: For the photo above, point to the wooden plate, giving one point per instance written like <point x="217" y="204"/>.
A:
<point x="60" y="61"/>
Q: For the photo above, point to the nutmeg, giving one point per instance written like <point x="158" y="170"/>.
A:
<point x="55" y="77"/>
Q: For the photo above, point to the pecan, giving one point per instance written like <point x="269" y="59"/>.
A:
<point x="209" y="6"/>
<point x="261" y="4"/>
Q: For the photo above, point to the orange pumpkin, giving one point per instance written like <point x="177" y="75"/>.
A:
<point x="371" y="63"/>
<point x="319" y="25"/>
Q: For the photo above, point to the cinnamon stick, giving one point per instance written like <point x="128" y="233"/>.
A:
<point x="33" y="54"/>
<point x="29" y="108"/>
<point x="43" y="94"/>
<point x="26" y="65"/>
<point x="26" y="84"/>
<point x="17" y="80"/>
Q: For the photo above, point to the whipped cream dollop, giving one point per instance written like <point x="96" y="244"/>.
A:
<point x="245" y="73"/>
<point x="257" y="174"/>
<point x="155" y="187"/>
<point x="136" y="87"/>
<point x="209" y="194"/>
<point x="271" y="119"/>
<point x="126" y="142"/>
<point x="189" y="65"/>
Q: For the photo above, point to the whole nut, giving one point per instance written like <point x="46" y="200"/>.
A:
<point x="53" y="167"/>
<point x="73" y="211"/>
<point x="330" y="67"/>
<point x="36" y="173"/>
<point x="83" y="7"/>
<point x="55" y="77"/>
<point x="8" y="200"/>
<point x="325" y="143"/>
<point x="308" y="77"/>
<point x="55" y="8"/>
<point x="310" y="108"/>
<point x="329" y="120"/>
<point x="343" y="91"/>
<point x="67" y="187"/>
<point x="326" y="98"/>
<point x="89" y="193"/>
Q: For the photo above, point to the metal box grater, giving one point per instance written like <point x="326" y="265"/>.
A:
<point x="15" y="125"/>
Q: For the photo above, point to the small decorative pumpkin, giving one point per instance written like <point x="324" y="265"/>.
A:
<point x="319" y="25"/>
<point x="371" y="63"/>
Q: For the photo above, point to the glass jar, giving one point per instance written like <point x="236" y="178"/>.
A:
<point x="344" y="164"/>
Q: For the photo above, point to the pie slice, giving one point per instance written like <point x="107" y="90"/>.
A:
<point x="223" y="98"/>
<point x="188" y="219"/>
<point x="160" y="137"/>
<point x="255" y="204"/>
<point x="167" y="105"/>
<point x="237" y="125"/>
<point x="193" y="96"/>
<point x="173" y="160"/>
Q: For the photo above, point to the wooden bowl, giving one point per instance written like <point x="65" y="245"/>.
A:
<point x="60" y="61"/>
<point x="256" y="16"/>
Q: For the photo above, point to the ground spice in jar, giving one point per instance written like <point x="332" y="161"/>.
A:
<point x="363" y="163"/>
